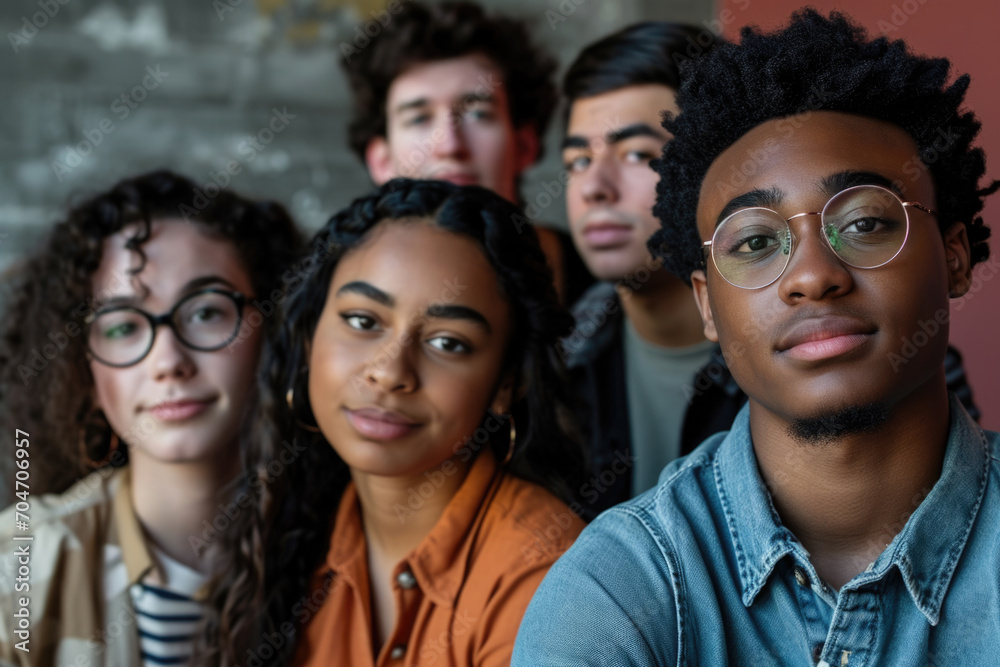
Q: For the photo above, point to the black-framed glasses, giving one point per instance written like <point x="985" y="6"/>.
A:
<point x="207" y="320"/>
<point x="865" y="226"/>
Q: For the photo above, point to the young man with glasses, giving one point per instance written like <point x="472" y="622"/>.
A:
<point x="850" y="516"/>
<point x="654" y="388"/>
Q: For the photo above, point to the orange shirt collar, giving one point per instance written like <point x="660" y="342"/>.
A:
<point x="439" y="562"/>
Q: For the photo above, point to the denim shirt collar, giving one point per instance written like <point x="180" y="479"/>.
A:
<point x="926" y="551"/>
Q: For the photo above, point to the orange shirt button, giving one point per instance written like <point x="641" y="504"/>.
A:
<point x="406" y="579"/>
<point x="398" y="652"/>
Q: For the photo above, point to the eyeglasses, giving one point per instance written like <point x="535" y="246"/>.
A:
<point x="865" y="226"/>
<point x="206" y="321"/>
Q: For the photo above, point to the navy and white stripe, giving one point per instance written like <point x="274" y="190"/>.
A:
<point x="168" y="617"/>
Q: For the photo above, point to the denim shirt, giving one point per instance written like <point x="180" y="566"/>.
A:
<point x="700" y="571"/>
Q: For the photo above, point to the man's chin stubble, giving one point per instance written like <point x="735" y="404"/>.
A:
<point x="840" y="423"/>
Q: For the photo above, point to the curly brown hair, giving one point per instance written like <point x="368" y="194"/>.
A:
<point x="45" y="379"/>
<point x="421" y="33"/>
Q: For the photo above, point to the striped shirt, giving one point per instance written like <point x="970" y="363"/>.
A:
<point x="168" y="615"/>
<point x="87" y="553"/>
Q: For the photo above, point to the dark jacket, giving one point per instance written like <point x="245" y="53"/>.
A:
<point x="595" y="357"/>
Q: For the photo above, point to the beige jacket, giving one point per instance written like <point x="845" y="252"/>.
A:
<point x="87" y="548"/>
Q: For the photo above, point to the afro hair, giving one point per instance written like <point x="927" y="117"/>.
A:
<point x="815" y="63"/>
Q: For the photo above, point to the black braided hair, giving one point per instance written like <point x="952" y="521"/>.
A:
<point x="272" y="552"/>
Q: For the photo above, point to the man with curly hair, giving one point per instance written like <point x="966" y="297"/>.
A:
<point x="822" y="196"/>
<point x="447" y="92"/>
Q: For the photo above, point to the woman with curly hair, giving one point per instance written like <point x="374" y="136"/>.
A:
<point x="153" y="413"/>
<point x="415" y="377"/>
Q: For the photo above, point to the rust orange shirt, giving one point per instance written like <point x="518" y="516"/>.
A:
<point x="460" y="594"/>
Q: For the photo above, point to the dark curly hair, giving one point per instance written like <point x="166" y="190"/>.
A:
<point x="816" y="63"/>
<point x="45" y="377"/>
<point x="271" y="553"/>
<point x="642" y="53"/>
<point x="421" y="33"/>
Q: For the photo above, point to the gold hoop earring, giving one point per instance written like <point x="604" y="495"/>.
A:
<point x="85" y="455"/>
<point x="290" y="399"/>
<point x="513" y="439"/>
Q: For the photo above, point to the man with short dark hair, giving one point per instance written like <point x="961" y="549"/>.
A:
<point x="654" y="387"/>
<point x="850" y="516"/>
<point x="447" y="92"/>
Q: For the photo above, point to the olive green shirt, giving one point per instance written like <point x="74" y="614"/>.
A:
<point x="655" y="382"/>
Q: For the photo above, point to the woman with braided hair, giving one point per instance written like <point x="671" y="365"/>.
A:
<point x="413" y="450"/>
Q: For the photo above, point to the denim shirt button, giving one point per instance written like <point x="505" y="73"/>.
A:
<point x="800" y="576"/>
<point x="817" y="652"/>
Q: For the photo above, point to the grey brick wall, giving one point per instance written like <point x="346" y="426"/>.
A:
<point x="96" y="91"/>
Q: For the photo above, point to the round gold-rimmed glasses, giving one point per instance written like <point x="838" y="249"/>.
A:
<point x="865" y="226"/>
